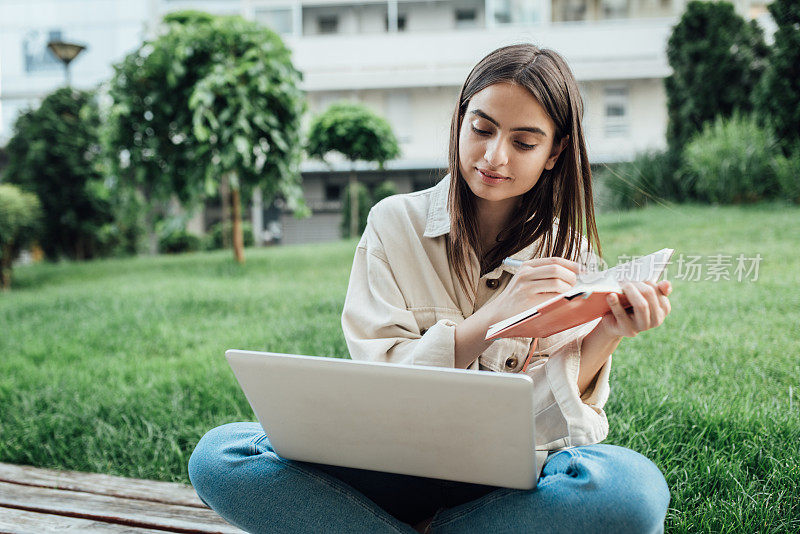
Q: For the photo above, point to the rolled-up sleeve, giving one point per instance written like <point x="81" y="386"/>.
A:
<point x="376" y="322"/>
<point x="564" y="416"/>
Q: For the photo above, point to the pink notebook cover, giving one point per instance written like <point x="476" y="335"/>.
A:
<point x="568" y="310"/>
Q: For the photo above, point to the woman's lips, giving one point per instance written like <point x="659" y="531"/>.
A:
<point x="490" y="179"/>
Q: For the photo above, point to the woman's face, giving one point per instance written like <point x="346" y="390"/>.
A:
<point x="505" y="141"/>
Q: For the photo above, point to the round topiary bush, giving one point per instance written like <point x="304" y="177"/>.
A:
<point x="214" y="236"/>
<point x="179" y="241"/>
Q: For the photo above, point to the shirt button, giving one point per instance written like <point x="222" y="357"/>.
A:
<point x="511" y="363"/>
<point x="422" y="332"/>
<point x="492" y="283"/>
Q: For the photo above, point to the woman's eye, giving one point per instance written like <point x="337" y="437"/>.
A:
<point x="520" y="144"/>
<point x="479" y="132"/>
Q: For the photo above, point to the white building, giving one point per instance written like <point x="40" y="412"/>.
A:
<point x="404" y="59"/>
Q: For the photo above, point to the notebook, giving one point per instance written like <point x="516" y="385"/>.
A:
<point x="584" y="302"/>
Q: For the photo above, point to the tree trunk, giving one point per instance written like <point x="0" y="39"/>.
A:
<point x="258" y="217"/>
<point x="5" y="268"/>
<point x="353" y="204"/>
<point x="238" y="235"/>
<point x="225" y="197"/>
<point x="149" y="216"/>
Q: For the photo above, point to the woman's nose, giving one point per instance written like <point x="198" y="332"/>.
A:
<point x="496" y="154"/>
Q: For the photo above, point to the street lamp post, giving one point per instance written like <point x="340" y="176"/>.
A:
<point x="66" y="52"/>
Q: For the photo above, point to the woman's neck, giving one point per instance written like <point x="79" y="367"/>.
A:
<point x="493" y="218"/>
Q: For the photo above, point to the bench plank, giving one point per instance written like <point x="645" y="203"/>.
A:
<point x="130" y="488"/>
<point x="14" y="521"/>
<point x="133" y="512"/>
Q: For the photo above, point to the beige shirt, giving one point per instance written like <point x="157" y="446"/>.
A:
<point x="404" y="301"/>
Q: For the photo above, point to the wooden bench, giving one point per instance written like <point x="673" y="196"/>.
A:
<point x="36" y="500"/>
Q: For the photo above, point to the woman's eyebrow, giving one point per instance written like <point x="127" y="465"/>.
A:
<point x="533" y="129"/>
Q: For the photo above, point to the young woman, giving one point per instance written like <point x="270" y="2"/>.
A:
<point x="426" y="284"/>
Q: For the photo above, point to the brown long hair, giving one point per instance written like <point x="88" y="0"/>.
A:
<point x="564" y="192"/>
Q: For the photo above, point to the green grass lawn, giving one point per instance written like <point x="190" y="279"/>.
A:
<point x="117" y="366"/>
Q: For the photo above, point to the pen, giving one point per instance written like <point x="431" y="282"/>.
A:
<point x="512" y="263"/>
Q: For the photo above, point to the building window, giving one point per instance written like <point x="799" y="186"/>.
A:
<point x="401" y="22"/>
<point x="333" y="192"/>
<point x="400" y="114"/>
<point x="617" y="115"/>
<point x="573" y="10"/>
<point x="278" y="20"/>
<point x="328" y="23"/>
<point x="615" y="9"/>
<point x="517" y="12"/>
<point x="38" y="58"/>
<point x="466" y="18"/>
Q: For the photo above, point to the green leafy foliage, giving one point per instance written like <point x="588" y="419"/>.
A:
<point x="364" y="204"/>
<point x="777" y="98"/>
<point x="384" y="190"/>
<point x="733" y="160"/>
<point x="214" y="236"/>
<point x="20" y="217"/>
<point x="717" y="59"/>
<point x="179" y="241"/>
<point x="651" y="178"/>
<point x="787" y="170"/>
<point x="55" y="153"/>
<point x="210" y="96"/>
<point x="354" y="131"/>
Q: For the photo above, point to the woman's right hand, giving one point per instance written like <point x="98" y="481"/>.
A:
<point x="536" y="281"/>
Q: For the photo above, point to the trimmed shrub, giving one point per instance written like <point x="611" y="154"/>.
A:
<point x="787" y="170"/>
<point x="20" y="217"/>
<point x="777" y="98"/>
<point x="179" y="241"/>
<point x="733" y="161"/>
<point x="717" y="59"/>
<point x="384" y="190"/>
<point x="214" y="236"/>
<point x="55" y="153"/>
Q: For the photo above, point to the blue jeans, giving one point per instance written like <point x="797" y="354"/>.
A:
<point x="595" y="488"/>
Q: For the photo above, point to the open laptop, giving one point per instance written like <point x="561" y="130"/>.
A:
<point x="452" y="424"/>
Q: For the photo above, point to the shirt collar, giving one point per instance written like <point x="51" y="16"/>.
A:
<point x="438" y="224"/>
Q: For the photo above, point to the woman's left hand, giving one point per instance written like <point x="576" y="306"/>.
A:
<point x="650" y="308"/>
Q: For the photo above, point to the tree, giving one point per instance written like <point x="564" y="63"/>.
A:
<point x="55" y="153"/>
<point x="777" y="98"/>
<point x="20" y="215"/>
<point x="358" y="134"/>
<point x="213" y="99"/>
<point x="717" y="59"/>
<point x="246" y="115"/>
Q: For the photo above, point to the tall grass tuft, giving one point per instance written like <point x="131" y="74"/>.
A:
<point x="733" y="160"/>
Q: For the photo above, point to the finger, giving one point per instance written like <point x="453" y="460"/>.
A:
<point x="548" y="271"/>
<point x="641" y="309"/>
<point x="651" y="293"/>
<point x="662" y="296"/>
<point x="554" y="260"/>
<point x="547" y="285"/>
<point x="665" y="287"/>
<point x="622" y="317"/>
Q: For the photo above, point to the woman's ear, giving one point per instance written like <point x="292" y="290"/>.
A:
<point x="557" y="149"/>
